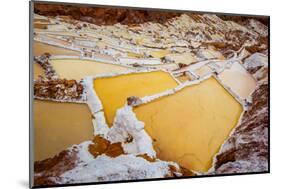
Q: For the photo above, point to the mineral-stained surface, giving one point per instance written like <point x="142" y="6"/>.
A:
<point x="77" y="46"/>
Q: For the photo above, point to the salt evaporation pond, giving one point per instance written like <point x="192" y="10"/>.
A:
<point x="41" y="48"/>
<point x="189" y="126"/>
<point x="37" y="71"/>
<point x="134" y="55"/>
<point x="239" y="80"/>
<point x="203" y="71"/>
<point x="114" y="91"/>
<point x="159" y="53"/>
<point x="58" y="126"/>
<point x="78" y="69"/>
<point x="184" y="58"/>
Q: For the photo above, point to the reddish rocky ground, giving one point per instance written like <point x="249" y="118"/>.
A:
<point x="109" y="16"/>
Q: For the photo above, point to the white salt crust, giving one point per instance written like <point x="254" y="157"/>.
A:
<point x="105" y="168"/>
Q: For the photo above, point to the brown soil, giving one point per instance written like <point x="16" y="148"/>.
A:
<point x="103" y="146"/>
<point x="58" y="89"/>
<point x="53" y="167"/>
<point x="103" y="16"/>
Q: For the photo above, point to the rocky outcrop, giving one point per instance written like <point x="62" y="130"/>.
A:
<point x="107" y="16"/>
<point x="257" y="65"/>
<point x="245" y="20"/>
<point x="43" y="61"/>
<point x="103" y="16"/>
<point x="58" y="89"/>
<point x="47" y="172"/>
<point x="133" y="101"/>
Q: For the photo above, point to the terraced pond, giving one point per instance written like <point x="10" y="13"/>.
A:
<point x="189" y="126"/>
<point x="41" y="48"/>
<point x="114" y="91"/>
<point x="78" y="69"/>
<point x="239" y="80"/>
<point x="159" y="53"/>
<point x="203" y="71"/>
<point x="58" y="126"/>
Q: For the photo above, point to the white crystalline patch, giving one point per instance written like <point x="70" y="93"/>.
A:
<point x="257" y="59"/>
<point x="83" y="152"/>
<point x="93" y="101"/>
<point x="238" y="80"/>
<point x="123" y="167"/>
<point x="104" y="168"/>
<point x="127" y="125"/>
<point x="85" y="43"/>
<point x="100" y="126"/>
<point x="95" y="105"/>
<point x="258" y="27"/>
<point x="141" y="61"/>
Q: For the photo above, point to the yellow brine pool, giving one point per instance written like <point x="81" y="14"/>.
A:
<point x="114" y="91"/>
<point x="78" y="69"/>
<point x="58" y="126"/>
<point x="189" y="126"/>
<point x="41" y="48"/>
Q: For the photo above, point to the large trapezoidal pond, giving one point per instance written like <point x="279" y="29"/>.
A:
<point x="189" y="126"/>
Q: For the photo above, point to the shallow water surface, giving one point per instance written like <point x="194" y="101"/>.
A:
<point x="58" y="126"/>
<point x="114" y="91"/>
<point x="78" y="69"/>
<point x="159" y="53"/>
<point x="189" y="126"/>
<point x="41" y="48"/>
